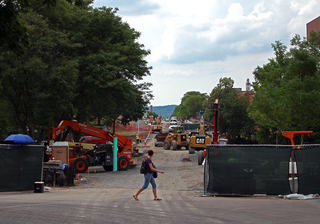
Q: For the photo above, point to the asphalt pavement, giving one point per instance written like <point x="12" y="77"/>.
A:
<point x="69" y="205"/>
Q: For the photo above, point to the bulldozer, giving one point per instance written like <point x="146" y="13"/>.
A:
<point x="176" y="139"/>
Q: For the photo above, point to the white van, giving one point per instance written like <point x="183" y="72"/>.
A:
<point x="173" y="124"/>
<point x="174" y="119"/>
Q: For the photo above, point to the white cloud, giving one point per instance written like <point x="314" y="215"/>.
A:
<point x="195" y="43"/>
<point x="172" y="81"/>
<point x="235" y="12"/>
<point x="167" y="45"/>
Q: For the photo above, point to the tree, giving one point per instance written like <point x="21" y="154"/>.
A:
<point x="181" y="111"/>
<point x="191" y="104"/>
<point x="233" y="116"/>
<point x="223" y="88"/>
<point x="153" y="114"/>
<point x="266" y="108"/>
<point x="286" y="90"/>
<point x="312" y="45"/>
<point x="13" y="34"/>
<point x="110" y="63"/>
<point x="35" y="85"/>
<point x="81" y="64"/>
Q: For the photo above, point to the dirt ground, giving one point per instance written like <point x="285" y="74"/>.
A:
<point x="132" y="134"/>
<point x="99" y="196"/>
<point x="182" y="171"/>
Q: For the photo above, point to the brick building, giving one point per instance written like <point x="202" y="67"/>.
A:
<point x="313" y="25"/>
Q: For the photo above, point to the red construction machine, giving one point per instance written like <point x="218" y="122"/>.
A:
<point x="91" y="139"/>
<point x="215" y="135"/>
<point x="102" y="154"/>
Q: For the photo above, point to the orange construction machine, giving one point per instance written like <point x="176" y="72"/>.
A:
<point x="125" y="149"/>
<point x="291" y="134"/>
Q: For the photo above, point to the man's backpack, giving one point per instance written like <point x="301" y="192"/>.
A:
<point x="144" y="168"/>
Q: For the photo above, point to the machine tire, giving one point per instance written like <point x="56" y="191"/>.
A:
<point x="191" y="150"/>
<point x="80" y="165"/>
<point x="166" y="145"/>
<point x="108" y="168"/>
<point x="123" y="163"/>
<point x="174" y="144"/>
<point x="188" y="147"/>
<point x="200" y="158"/>
<point x="61" y="178"/>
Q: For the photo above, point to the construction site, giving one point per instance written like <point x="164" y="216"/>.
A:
<point x="98" y="196"/>
<point x="205" y="179"/>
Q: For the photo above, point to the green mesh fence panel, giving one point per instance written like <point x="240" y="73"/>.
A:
<point x="308" y="166"/>
<point x="20" y="166"/>
<point x="247" y="170"/>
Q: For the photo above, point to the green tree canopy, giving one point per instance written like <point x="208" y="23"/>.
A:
<point x="191" y="104"/>
<point x="82" y="63"/>
<point x="13" y="34"/>
<point x="233" y="116"/>
<point x="287" y="88"/>
<point x="154" y="114"/>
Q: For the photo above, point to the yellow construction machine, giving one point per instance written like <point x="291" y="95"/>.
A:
<point x="176" y="139"/>
<point x="157" y="127"/>
<point x="199" y="140"/>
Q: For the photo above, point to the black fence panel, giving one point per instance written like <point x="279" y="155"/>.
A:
<point x="308" y="167"/>
<point x="20" y="166"/>
<point x="190" y="126"/>
<point x="247" y="170"/>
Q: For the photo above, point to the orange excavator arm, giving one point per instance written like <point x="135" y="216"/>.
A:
<point x="124" y="143"/>
<point x="291" y="134"/>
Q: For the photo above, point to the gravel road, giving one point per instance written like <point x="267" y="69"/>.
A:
<point x="181" y="172"/>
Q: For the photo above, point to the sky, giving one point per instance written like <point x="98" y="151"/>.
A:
<point x="195" y="43"/>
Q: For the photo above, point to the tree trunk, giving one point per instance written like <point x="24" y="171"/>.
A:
<point x="31" y="131"/>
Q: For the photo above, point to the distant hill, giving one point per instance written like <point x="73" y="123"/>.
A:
<point x="165" y="111"/>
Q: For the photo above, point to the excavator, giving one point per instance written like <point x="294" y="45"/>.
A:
<point x="157" y="127"/>
<point x="102" y="154"/>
